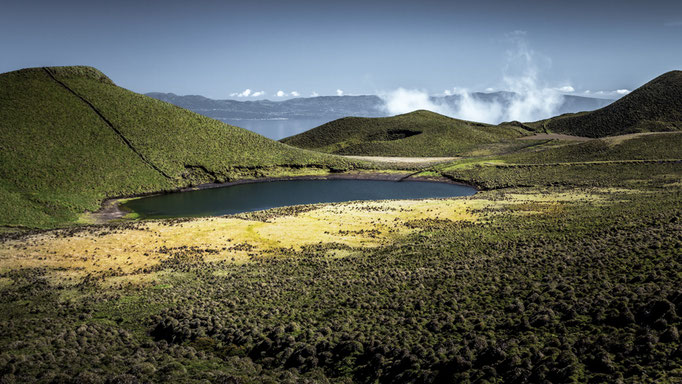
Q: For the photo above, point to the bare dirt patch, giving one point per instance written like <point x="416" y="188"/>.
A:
<point x="555" y="136"/>
<point x="615" y="140"/>
<point x="405" y="160"/>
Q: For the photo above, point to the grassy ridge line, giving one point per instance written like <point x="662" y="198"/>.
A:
<point x="655" y="106"/>
<point x="125" y="140"/>
<point x="603" y="162"/>
<point x="624" y="175"/>
<point x="416" y="134"/>
<point x="658" y="161"/>
<point x="646" y="147"/>
<point x="174" y="138"/>
<point x="60" y="156"/>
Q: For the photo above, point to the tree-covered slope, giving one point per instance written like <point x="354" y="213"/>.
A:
<point x="655" y="106"/>
<point x="419" y="133"/>
<point x="69" y="137"/>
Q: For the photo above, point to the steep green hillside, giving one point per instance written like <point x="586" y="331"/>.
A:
<point x="419" y="133"/>
<point x="655" y="106"/>
<point x="69" y="137"/>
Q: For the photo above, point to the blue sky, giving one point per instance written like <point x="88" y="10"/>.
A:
<point x="220" y="48"/>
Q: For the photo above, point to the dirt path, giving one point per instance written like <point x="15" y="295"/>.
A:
<point x="611" y="139"/>
<point x="405" y="160"/>
<point x="621" y="138"/>
<point x="555" y="136"/>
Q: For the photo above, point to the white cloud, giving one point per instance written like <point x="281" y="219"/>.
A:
<point x="407" y="100"/>
<point x="490" y="89"/>
<point x="566" y="89"/>
<point x="314" y="94"/>
<point x="587" y="92"/>
<point x="281" y="93"/>
<point x="616" y="93"/>
<point x="339" y="92"/>
<point x="248" y="93"/>
<point x="447" y="92"/>
<point x="470" y="108"/>
<point x="530" y="99"/>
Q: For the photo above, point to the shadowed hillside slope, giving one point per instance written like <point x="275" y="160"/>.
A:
<point x="69" y="137"/>
<point x="655" y="106"/>
<point x="419" y="133"/>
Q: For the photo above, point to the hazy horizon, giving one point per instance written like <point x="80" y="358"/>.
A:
<point x="273" y="50"/>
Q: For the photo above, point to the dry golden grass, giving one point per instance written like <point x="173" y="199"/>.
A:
<point x="126" y="251"/>
<point x="122" y="255"/>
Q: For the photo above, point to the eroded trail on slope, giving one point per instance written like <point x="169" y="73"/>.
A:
<point x="107" y="122"/>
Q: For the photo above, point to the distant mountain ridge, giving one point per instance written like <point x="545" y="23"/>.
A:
<point x="335" y="107"/>
<point x="320" y="106"/>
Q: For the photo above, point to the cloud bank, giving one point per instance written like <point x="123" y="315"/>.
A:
<point x="526" y="98"/>
<point x="405" y="100"/>
<point x="248" y="93"/>
<point x="281" y="93"/>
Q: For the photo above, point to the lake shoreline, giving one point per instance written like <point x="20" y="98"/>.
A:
<point x="111" y="209"/>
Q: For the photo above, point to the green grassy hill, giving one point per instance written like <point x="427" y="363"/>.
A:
<point x="419" y="133"/>
<point x="620" y="161"/>
<point x="69" y="137"/>
<point x="655" y="106"/>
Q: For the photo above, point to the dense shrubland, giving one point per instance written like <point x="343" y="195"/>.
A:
<point x="583" y="291"/>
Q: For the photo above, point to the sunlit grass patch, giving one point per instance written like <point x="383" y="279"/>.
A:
<point x="132" y="256"/>
<point x="127" y="255"/>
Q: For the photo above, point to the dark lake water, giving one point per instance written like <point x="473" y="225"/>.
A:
<point x="258" y="196"/>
